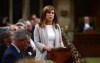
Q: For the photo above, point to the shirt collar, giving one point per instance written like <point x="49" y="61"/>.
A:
<point x="16" y="47"/>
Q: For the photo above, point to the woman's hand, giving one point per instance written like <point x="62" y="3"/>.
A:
<point x="48" y="48"/>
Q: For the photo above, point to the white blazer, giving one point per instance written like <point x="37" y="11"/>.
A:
<point x="41" y="39"/>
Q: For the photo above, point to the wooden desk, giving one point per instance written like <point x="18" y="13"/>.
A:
<point x="60" y="55"/>
<point x="87" y="44"/>
<point x="89" y="31"/>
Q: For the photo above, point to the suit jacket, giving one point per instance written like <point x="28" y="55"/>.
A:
<point x="32" y="32"/>
<point x="41" y="39"/>
<point x="29" y="52"/>
<point x="3" y="47"/>
<point x="11" y="55"/>
<point x="81" y="26"/>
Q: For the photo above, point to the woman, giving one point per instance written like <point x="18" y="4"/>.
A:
<point x="47" y="33"/>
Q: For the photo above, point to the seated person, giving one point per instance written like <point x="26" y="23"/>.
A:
<point x="5" y="41"/>
<point x="86" y="24"/>
<point x="20" y="43"/>
<point x="24" y="24"/>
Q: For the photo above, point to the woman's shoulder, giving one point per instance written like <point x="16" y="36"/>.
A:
<point x="58" y="26"/>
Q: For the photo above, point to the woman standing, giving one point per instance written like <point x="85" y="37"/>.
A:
<point x="47" y="33"/>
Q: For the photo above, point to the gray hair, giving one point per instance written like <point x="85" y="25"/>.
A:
<point x="28" y="22"/>
<point x="21" y="22"/>
<point x="4" y="28"/>
<point x="21" y="34"/>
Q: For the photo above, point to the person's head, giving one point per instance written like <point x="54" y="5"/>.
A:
<point x="48" y="15"/>
<point x="34" y="19"/>
<point x="86" y="19"/>
<point x="28" y="25"/>
<point x="14" y="27"/>
<point x="5" y="38"/>
<point x="21" y="24"/>
<point x="11" y="31"/>
<point x="21" y="39"/>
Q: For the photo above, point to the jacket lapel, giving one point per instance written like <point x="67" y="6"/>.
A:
<point x="43" y="36"/>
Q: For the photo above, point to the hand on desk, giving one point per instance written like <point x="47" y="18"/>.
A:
<point x="48" y="48"/>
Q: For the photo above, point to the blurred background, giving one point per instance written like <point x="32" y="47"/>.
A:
<point x="68" y="12"/>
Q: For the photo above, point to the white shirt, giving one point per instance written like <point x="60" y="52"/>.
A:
<point x="51" y="35"/>
<point x="87" y="26"/>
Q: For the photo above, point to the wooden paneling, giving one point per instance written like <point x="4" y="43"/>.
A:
<point x="87" y="44"/>
<point x="87" y="7"/>
<point x="96" y="13"/>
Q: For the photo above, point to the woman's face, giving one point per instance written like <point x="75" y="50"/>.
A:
<point x="50" y="15"/>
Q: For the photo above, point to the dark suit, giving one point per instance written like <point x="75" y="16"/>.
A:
<point x="29" y="52"/>
<point x="82" y="24"/>
<point x="3" y="47"/>
<point x="32" y="32"/>
<point x="11" y="55"/>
